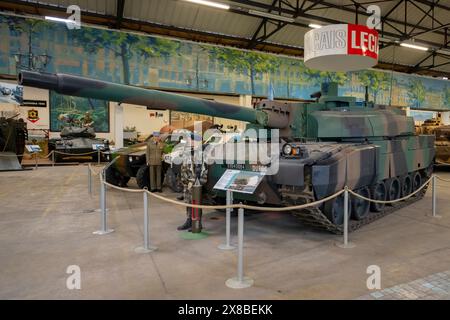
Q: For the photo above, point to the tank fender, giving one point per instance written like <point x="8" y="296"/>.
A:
<point x="290" y="172"/>
<point x="354" y="166"/>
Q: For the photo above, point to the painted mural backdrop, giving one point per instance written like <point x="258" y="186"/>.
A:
<point x="64" y="108"/>
<point x="157" y="62"/>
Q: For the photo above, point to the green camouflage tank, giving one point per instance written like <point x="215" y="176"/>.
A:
<point x="324" y="146"/>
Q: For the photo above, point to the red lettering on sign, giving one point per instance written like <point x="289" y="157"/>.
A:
<point x="362" y="41"/>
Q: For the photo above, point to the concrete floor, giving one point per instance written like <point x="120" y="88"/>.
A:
<point x="46" y="224"/>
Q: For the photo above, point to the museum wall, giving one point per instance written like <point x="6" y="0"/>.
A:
<point x="181" y="65"/>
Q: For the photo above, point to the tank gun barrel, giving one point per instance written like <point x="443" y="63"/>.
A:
<point x="90" y="88"/>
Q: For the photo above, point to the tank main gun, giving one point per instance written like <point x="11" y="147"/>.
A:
<point x="154" y="99"/>
<point x="331" y="117"/>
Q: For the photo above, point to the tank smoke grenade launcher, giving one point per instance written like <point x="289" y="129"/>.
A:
<point x="324" y="146"/>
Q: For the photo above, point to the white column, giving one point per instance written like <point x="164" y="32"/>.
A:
<point x="245" y="100"/>
<point x="118" y="127"/>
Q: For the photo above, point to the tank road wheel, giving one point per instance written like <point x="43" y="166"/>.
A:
<point x="143" y="177"/>
<point x="334" y="209"/>
<point x="406" y="185"/>
<point x="378" y="192"/>
<point x="394" y="189"/>
<point x="360" y="207"/>
<point x="416" y="181"/>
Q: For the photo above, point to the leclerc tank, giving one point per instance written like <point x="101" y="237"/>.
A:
<point x="324" y="146"/>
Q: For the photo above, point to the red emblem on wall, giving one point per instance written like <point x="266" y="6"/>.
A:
<point x="33" y="115"/>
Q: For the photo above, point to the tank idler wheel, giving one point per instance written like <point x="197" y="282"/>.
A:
<point x="416" y="181"/>
<point x="406" y="185"/>
<point x="334" y="209"/>
<point x="394" y="189"/>
<point x="378" y="192"/>
<point x="360" y="207"/>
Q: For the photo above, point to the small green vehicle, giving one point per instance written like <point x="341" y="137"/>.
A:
<point x="132" y="163"/>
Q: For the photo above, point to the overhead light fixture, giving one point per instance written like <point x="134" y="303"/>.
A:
<point x="210" y="4"/>
<point x="60" y="20"/>
<point x="314" y="26"/>
<point x="271" y="16"/>
<point x="413" y="46"/>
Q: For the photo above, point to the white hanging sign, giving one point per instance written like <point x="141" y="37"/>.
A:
<point x="341" y="47"/>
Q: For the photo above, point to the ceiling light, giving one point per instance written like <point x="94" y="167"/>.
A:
<point x="271" y="16"/>
<point x="210" y="4"/>
<point x="60" y="20"/>
<point x="314" y="26"/>
<point x="413" y="46"/>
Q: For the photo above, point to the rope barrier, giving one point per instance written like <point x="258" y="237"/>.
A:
<point x="442" y="163"/>
<point x="232" y="206"/>
<point x="245" y="206"/>
<point x="270" y="209"/>
<point x="390" y="201"/>
<point x="76" y="154"/>
<point x="94" y="172"/>
<point x="119" y="188"/>
<point x="442" y="179"/>
<point x="51" y="152"/>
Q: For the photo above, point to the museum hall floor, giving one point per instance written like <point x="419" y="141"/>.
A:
<point x="47" y="218"/>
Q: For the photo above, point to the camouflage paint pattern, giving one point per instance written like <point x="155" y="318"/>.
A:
<point x="337" y="142"/>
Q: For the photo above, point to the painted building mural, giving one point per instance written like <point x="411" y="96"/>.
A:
<point x="157" y="62"/>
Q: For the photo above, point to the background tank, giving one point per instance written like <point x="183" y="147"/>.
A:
<point x="442" y="144"/>
<point x="442" y="133"/>
<point x="13" y="137"/>
<point x="324" y="146"/>
<point x="76" y="140"/>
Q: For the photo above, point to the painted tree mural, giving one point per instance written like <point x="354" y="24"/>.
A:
<point x="182" y="65"/>
<point x="28" y="57"/>
<point x="416" y="93"/>
<point x="124" y="45"/>
<point x="294" y="67"/>
<point x="447" y="95"/>
<point x="253" y="62"/>
<point x="375" y="81"/>
<point x="318" y="77"/>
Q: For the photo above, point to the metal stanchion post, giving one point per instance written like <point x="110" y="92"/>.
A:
<point x="196" y="214"/>
<point x="35" y="161"/>
<point x="433" y="197"/>
<point x="227" y="245"/>
<point x="240" y="281"/>
<point x="104" y="229"/>
<point x="98" y="156"/>
<point x="53" y="158"/>
<point x="147" y="247"/>
<point x="89" y="181"/>
<point x="346" y="244"/>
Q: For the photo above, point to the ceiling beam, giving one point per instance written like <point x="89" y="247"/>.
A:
<point x="361" y="10"/>
<point x="119" y="13"/>
<point x="262" y="25"/>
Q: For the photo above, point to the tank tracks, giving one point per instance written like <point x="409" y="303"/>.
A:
<point x="314" y="217"/>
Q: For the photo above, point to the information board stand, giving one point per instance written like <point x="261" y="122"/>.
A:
<point x="237" y="181"/>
